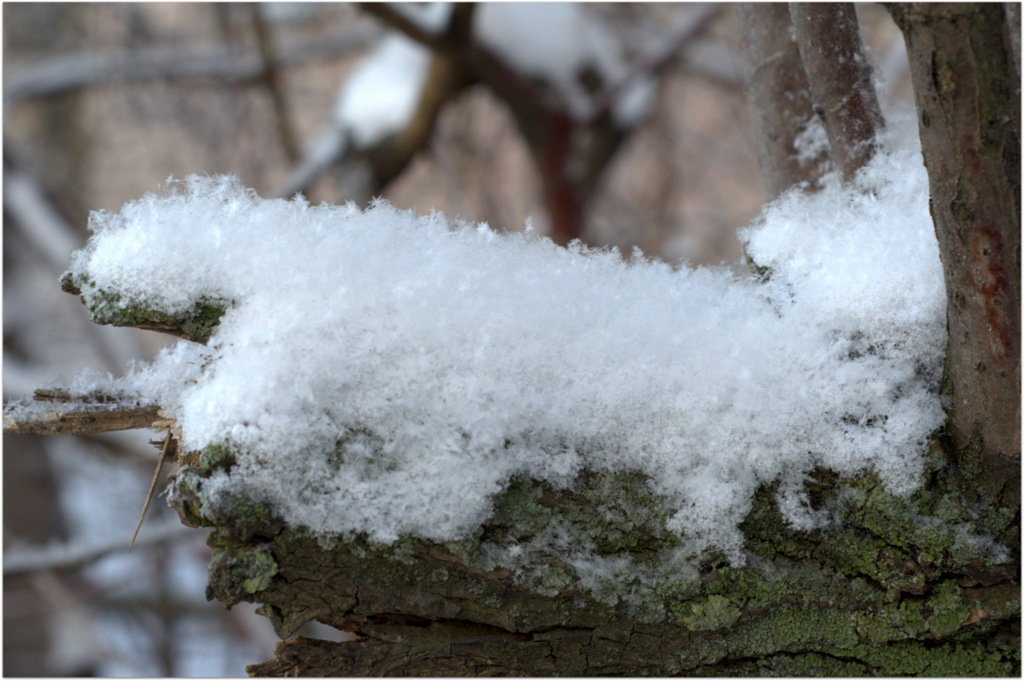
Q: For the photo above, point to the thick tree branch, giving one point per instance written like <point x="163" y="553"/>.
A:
<point x="813" y="605"/>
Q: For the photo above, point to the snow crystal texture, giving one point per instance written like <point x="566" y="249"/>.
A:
<point x="385" y="373"/>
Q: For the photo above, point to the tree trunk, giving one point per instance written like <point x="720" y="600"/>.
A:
<point x="780" y="103"/>
<point x="968" y="102"/>
<point x="897" y="586"/>
<point x="840" y="80"/>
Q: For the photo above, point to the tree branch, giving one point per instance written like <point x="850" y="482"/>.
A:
<point x="68" y="556"/>
<point x="780" y="101"/>
<point x="387" y="14"/>
<point x="271" y="78"/>
<point x="840" y="80"/>
<point x="656" y="62"/>
<point x="58" y="412"/>
<point x="968" y="101"/>
<point x="66" y="73"/>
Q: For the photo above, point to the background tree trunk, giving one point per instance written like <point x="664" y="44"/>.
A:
<point x="968" y="102"/>
<point x="780" y="102"/>
<point x="840" y="80"/>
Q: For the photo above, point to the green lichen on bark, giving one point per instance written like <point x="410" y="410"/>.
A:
<point x="213" y="457"/>
<point x="233" y="571"/>
<point x="587" y="581"/>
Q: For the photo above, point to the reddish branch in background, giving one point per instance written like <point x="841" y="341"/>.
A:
<point x="570" y="151"/>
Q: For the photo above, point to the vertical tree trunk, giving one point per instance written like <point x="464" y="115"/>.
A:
<point x="840" y="80"/>
<point x="968" y="102"/>
<point x="780" y="101"/>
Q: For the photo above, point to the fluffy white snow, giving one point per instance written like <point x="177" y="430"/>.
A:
<point x="387" y="373"/>
<point x="557" y="42"/>
<point x="381" y="95"/>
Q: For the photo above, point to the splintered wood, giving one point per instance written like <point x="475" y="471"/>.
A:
<point x="58" y="412"/>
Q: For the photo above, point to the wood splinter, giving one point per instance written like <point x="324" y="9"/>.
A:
<point x="167" y="451"/>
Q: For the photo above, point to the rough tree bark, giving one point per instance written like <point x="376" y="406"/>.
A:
<point x="968" y="102"/>
<point x="898" y="587"/>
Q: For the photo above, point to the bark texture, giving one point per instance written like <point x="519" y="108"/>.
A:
<point x="780" y="102"/>
<point x="588" y="582"/>
<point x="968" y="102"/>
<point x="840" y="80"/>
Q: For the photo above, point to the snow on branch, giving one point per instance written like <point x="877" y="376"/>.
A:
<point x="381" y="373"/>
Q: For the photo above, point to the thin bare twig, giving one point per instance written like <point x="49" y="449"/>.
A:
<point x="271" y="78"/>
<point x="66" y="73"/>
<point x="166" y="452"/>
<point x="654" y="63"/>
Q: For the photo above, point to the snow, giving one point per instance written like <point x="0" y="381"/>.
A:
<point x="385" y="373"/>
<point x="381" y="95"/>
<point x="555" y="42"/>
<point x="812" y="144"/>
<point x="558" y="42"/>
<point x="428" y="16"/>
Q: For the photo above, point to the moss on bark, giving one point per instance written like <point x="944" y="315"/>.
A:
<point x="587" y="581"/>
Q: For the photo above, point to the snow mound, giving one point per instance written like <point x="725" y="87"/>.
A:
<point x="385" y="373"/>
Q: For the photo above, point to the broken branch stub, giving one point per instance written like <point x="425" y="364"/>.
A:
<point x="58" y="412"/>
<point x="195" y="324"/>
